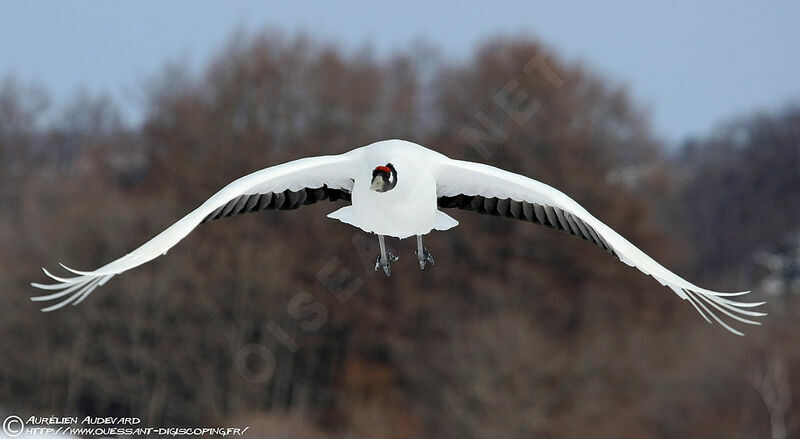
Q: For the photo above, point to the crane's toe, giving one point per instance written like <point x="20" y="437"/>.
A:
<point x="425" y="258"/>
<point x="380" y="262"/>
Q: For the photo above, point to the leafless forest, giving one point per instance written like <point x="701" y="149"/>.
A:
<point x="277" y="321"/>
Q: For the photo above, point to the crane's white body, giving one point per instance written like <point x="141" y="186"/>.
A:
<point x="409" y="209"/>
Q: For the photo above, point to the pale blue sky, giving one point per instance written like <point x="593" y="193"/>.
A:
<point x="690" y="63"/>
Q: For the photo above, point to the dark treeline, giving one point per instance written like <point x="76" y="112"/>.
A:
<point x="517" y="331"/>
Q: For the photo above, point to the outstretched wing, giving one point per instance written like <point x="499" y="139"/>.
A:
<point x="489" y="190"/>
<point x="286" y="186"/>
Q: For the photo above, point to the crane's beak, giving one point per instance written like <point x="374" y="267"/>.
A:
<point x="377" y="184"/>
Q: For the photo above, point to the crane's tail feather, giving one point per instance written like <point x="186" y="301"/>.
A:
<point x="57" y="278"/>
<point x="714" y="316"/>
<point x="729" y="313"/>
<point x="700" y="298"/>
<point x="692" y="300"/>
<point x="84" y="273"/>
<point x="76" y="289"/>
<point x="715" y="293"/>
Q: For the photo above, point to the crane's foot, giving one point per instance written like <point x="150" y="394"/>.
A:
<point x="424" y="258"/>
<point x="381" y="262"/>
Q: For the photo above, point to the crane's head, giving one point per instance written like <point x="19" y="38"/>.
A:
<point x="384" y="178"/>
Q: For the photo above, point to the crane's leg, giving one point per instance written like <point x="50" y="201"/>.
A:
<point x="422" y="254"/>
<point x="384" y="258"/>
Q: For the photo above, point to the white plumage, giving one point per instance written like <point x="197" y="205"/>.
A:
<point x="425" y="180"/>
<point x="407" y="210"/>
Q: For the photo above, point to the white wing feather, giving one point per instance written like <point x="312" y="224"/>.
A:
<point x="312" y="172"/>
<point x="456" y="177"/>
